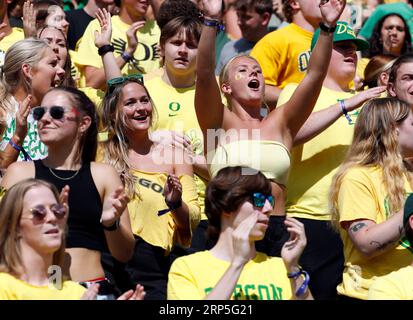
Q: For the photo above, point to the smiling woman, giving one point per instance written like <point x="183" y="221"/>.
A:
<point x="32" y="233"/>
<point x="99" y="220"/>
<point x="164" y="209"/>
<point x="30" y="70"/>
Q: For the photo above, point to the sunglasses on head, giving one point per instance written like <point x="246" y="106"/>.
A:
<point x="39" y="212"/>
<point x="112" y="83"/>
<point x="258" y="199"/>
<point x="56" y="112"/>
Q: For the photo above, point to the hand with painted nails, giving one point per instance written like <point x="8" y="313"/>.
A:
<point x="114" y="207"/>
<point x="294" y="246"/>
<point x="173" y="189"/>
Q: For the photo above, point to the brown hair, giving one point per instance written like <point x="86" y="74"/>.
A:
<point x="228" y="190"/>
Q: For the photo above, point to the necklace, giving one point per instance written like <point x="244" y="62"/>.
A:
<point x="68" y="178"/>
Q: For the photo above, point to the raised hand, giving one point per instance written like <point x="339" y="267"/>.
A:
<point x="21" y="117"/>
<point x="331" y="10"/>
<point x="138" y="294"/>
<point x="212" y="8"/>
<point x="294" y="246"/>
<point x="29" y="19"/>
<point x="243" y="247"/>
<point x="132" y="37"/>
<point x="114" y="206"/>
<point x="357" y="100"/>
<point x="103" y="37"/>
<point x="64" y="196"/>
<point x="173" y="189"/>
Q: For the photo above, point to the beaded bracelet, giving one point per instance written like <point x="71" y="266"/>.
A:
<point x="344" y="111"/>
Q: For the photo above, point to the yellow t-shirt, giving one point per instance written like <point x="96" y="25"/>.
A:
<point x="397" y="285"/>
<point x="362" y="196"/>
<point x="157" y="230"/>
<point x="314" y="163"/>
<point x="192" y="277"/>
<point x="16" y="34"/>
<point x="145" y="58"/>
<point x="176" y="111"/>
<point x="284" y="55"/>
<point x="12" y="288"/>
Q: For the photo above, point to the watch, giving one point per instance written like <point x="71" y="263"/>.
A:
<point x="327" y="28"/>
<point x="113" y="227"/>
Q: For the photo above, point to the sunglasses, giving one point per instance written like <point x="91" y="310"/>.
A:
<point x="39" y="212"/>
<point x="56" y="112"/>
<point x="258" y="199"/>
<point x="113" y="83"/>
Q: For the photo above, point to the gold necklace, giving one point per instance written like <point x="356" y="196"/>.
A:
<point x="68" y="178"/>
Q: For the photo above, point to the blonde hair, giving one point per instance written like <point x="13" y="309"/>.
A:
<point x="223" y="75"/>
<point x="29" y="51"/>
<point x="375" y="143"/>
<point x="11" y="207"/>
<point x="116" y="148"/>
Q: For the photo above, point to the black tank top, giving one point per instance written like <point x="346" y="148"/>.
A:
<point x="85" y="206"/>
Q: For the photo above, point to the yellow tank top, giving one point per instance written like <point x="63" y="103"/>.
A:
<point x="272" y="158"/>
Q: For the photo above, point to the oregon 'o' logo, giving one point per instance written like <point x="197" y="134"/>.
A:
<point x="174" y="106"/>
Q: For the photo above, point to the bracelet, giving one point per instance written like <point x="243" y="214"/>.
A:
<point x="105" y="49"/>
<point x="303" y="288"/>
<point x="20" y="149"/>
<point x="327" y="28"/>
<point x="344" y="111"/>
<point x="125" y="56"/>
<point x="294" y="275"/>
<point x="213" y="23"/>
<point x="171" y="207"/>
<point x="112" y="227"/>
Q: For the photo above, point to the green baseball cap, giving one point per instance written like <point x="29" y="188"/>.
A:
<point x="344" y="32"/>
<point x="408" y="209"/>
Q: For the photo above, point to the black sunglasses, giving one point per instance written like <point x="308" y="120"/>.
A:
<point x="258" y="199"/>
<point x="39" y="212"/>
<point x="56" y="112"/>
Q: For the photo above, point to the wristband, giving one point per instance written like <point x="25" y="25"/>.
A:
<point x="105" y="49"/>
<point x="113" y="227"/>
<point x="171" y="207"/>
<point x="344" y="111"/>
<point x="294" y="275"/>
<point x="213" y="23"/>
<point x="327" y="28"/>
<point x="125" y="56"/>
<point x="303" y="288"/>
<point x="20" y="149"/>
